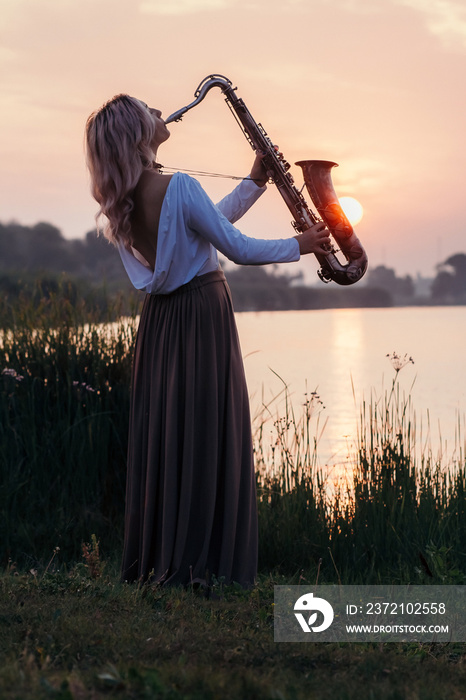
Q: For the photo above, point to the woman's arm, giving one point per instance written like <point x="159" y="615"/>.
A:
<point x="204" y="218"/>
<point x="237" y="203"/>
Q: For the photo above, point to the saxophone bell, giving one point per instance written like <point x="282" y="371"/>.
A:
<point x="318" y="181"/>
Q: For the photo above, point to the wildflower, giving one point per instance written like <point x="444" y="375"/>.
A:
<point x="86" y="387"/>
<point x="398" y="361"/>
<point x="12" y="373"/>
<point x="91" y="556"/>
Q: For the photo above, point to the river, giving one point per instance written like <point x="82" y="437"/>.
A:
<point x="342" y="355"/>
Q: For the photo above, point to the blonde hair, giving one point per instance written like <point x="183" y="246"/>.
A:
<point x="118" y="150"/>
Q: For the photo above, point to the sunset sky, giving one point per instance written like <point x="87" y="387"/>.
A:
<point x="375" y="85"/>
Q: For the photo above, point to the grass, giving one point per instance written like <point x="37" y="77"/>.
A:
<point x="69" y="629"/>
<point x="67" y="635"/>
<point x="397" y="519"/>
<point x="64" y="403"/>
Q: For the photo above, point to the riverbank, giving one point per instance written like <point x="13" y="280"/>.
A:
<point x="398" y="516"/>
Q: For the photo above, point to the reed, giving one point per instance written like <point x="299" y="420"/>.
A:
<point x="64" y="406"/>
<point x="400" y="516"/>
<point x="63" y="421"/>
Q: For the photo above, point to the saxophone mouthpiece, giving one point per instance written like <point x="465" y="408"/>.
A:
<point x="176" y="116"/>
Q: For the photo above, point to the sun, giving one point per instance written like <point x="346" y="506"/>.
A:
<point x="352" y="208"/>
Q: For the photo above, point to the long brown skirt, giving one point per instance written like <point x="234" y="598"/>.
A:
<point x="191" y="496"/>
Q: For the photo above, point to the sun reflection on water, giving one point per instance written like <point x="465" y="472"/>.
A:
<point x="344" y="355"/>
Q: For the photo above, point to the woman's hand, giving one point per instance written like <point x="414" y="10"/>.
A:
<point x="315" y="239"/>
<point x="258" y="173"/>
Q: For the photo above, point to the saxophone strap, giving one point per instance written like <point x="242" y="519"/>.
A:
<point x="200" y="173"/>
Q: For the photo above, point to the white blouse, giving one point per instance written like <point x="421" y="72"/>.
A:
<point x="191" y="231"/>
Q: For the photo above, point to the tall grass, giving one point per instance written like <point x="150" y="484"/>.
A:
<point x="64" y="406"/>
<point x="400" y="517"/>
<point x="63" y="421"/>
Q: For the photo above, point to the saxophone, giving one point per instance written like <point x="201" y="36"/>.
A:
<point x="317" y="179"/>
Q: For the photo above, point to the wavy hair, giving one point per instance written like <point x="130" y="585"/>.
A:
<point x="118" y="150"/>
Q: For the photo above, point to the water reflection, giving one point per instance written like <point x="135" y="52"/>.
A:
<point x="342" y="354"/>
<point x="345" y="350"/>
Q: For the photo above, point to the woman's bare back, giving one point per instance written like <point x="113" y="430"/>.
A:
<point x="148" y="199"/>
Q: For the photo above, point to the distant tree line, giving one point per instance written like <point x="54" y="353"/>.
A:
<point x="401" y="289"/>
<point x="449" y="286"/>
<point x="33" y="259"/>
<point x="264" y="289"/>
<point x="42" y="249"/>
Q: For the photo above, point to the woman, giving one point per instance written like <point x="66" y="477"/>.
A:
<point x="191" y="500"/>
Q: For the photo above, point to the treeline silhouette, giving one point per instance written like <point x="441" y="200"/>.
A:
<point x="36" y="260"/>
<point x="43" y="250"/>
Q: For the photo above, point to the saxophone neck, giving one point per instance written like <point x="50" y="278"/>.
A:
<point x="207" y="84"/>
